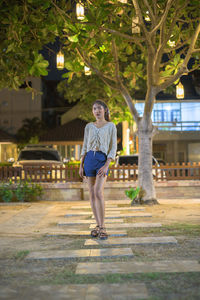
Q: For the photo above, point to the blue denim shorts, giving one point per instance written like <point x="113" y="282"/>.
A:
<point x="93" y="161"/>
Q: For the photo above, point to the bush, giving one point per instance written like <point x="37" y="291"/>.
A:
<point x="24" y="192"/>
<point x="6" y="192"/>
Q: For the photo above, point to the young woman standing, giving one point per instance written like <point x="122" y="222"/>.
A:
<point x="99" y="149"/>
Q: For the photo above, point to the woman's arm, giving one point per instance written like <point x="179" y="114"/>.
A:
<point x="81" y="169"/>
<point x="83" y="152"/>
<point x="85" y="141"/>
<point x="113" y="144"/>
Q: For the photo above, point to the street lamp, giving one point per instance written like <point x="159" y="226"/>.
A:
<point x="60" y="60"/>
<point x="80" y="11"/>
<point x="179" y="91"/>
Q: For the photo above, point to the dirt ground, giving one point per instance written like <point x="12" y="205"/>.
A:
<point x="179" y="211"/>
<point x="180" y="218"/>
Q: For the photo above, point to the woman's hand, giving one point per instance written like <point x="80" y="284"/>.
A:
<point x="103" y="171"/>
<point x="81" y="171"/>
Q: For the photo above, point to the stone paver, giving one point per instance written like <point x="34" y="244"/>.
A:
<point x="89" y="207"/>
<point x="82" y="253"/>
<point x="170" y="266"/>
<point x="117" y="202"/>
<point x="124" y="208"/>
<point x="78" y="213"/>
<point x="131" y="225"/>
<point x="126" y="215"/>
<point x="132" y="241"/>
<point x="82" y="233"/>
<point x="114" y="291"/>
<point x="77" y="221"/>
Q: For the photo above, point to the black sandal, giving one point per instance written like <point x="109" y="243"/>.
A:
<point x="102" y="233"/>
<point x="95" y="231"/>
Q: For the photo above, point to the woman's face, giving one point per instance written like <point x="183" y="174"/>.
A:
<point x="98" y="111"/>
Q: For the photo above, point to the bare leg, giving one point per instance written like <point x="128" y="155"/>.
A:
<point x="93" y="199"/>
<point x="100" y="208"/>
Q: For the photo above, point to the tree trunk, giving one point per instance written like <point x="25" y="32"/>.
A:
<point x="145" y="134"/>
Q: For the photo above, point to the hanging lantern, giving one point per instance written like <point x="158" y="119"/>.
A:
<point x="123" y="1"/>
<point x="87" y="70"/>
<point x="135" y="27"/>
<point x="171" y="43"/>
<point x="60" y="60"/>
<point x="147" y="18"/>
<point x="179" y="91"/>
<point x="80" y="11"/>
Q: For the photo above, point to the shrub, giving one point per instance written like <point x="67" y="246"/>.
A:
<point x="132" y="194"/>
<point x="24" y="192"/>
<point x="6" y="192"/>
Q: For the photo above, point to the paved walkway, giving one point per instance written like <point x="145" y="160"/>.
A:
<point x="72" y="220"/>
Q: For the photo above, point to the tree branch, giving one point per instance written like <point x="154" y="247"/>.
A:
<point x="162" y="43"/>
<point x="195" y="68"/>
<point x="116" y="60"/>
<point x="129" y="102"/>
<point x="155" y="7"/>
<point x="171" y="80"/>
<point x="107" y="80"/>
<point x="122" y="88"/>
<point x="192" y="45"/>
<point x="146" y="33"/>
<point x="152" y="17"/>
<point x="196" y="50"/>
<point x="183" y="68"/>
<point x="163" y="18"/>
<point x="134" y="39"/>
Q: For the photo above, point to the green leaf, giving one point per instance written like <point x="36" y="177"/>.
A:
<point x="68" y="65"/>
<point x="129" y="50"/>
<point x="11" y="47"/>
<point x="73" y="38"/>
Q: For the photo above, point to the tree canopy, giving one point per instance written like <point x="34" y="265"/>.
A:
<point x="26" y="26"/>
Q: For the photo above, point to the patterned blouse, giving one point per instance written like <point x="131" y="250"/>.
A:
<point x="102" y="139"/>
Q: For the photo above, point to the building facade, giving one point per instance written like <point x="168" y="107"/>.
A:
<point x="15" y="106"/>
<point x="178" y="123"/>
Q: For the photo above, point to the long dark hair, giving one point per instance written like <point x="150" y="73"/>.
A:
<point x="107" y="112"/>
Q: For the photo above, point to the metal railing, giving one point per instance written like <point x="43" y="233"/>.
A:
<point x="178" y="126"/>
<point x="184" y="171"/>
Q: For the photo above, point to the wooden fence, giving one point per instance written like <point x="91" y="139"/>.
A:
<point x="120" y="173"/>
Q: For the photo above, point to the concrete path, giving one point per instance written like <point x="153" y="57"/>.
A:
<point x="132" y="241"/>
<point x="115" y="291"/>
<point x="131" y="225"/>
<point x="81" y="233"/>
<point x="138" y="267"/>
<point x="72" y="221"/>
<point x="82" y="253"/>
